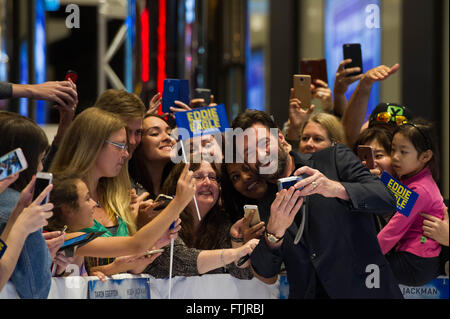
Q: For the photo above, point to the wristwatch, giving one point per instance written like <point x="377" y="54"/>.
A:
<point x="272" y="238"/>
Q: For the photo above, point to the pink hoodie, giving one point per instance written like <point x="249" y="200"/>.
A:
<point x="406" y="232"/>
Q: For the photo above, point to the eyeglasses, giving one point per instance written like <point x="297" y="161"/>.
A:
<point x="122" y="146"/>
<point x="201" y="178"/>
<point x="387" y="117"/>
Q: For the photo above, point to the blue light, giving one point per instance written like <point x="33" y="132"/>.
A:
<point x="52" y="5"/>
<point x="39" y="57"/>
<point x="345" y="22"/>
<point x="23" y="58"/>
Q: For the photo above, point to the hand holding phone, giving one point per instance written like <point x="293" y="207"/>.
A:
<point x="302" y="89"/>
<point x="12" y="162"/>
<point x="365" y="153"/>
<point x="248" y="209"/>
<point x="174" y="90"/>
<point x="287" y="182"/>
<point x="201" y="93"/>
<point x="353" y="51"/>
<point x="42" y="181"/>
<point x="72" y="75"/>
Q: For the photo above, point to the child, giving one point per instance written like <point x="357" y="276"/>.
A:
<point x="415" y="260"/>
<point x="73" y="207"/>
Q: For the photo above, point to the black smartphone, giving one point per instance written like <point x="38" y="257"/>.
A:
<point x="205" y="94"/>
<point x="353" y="51"/>
<point x="42" y="181"/>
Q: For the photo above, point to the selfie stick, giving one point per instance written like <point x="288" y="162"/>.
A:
<point x="171" y="260"/>
<point x="195" y="199"/>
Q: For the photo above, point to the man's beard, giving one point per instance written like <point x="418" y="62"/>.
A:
<point x="281" y="166"/>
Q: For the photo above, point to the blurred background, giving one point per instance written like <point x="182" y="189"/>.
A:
<point x="245" y="51"/>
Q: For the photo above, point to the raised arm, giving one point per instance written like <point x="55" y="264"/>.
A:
<point x="355" y="112"/>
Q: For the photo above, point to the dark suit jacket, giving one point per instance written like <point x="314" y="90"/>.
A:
<point x="339" y="245"/>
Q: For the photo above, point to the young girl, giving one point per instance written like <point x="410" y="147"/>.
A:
<point x="74" y="208"/>
<point x="415" y="259"/>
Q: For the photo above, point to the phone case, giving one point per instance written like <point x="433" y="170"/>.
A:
<point x="365" y="153"/>
<point x="353" y="51"/>
<point x="302" y="89"/>
<point x="205" y="94"/>
<point x="248" y="209"/>
<point x="42" y="181"/>
<point x="12" y="162"/>
<point x="174" y="90"/>
<point x="316" y="68"/>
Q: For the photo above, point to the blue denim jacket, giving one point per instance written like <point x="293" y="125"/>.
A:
<point x="32" y="276"/>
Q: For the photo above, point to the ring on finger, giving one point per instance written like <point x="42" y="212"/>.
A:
<point x="314" y="184"/>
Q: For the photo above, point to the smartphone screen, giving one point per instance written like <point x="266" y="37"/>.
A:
<point x="353" y="51"/>
<point x="10" y="164"/>
<point x="40" y="185"/>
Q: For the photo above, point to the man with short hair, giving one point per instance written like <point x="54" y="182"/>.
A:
<point x="334" y="255"/>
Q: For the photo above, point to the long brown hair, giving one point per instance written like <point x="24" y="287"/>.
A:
<point x="18" y="131"/>
<point x="209" y="233"/>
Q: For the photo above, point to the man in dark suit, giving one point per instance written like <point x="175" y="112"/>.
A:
<point x="337" y="255"/>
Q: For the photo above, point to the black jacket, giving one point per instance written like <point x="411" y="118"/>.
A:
<point x="339" y="245"/>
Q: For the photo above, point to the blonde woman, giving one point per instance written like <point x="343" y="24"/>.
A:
<point x="320" y="131"/>
<point x="95" y="147"/>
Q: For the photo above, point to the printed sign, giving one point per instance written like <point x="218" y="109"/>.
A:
<point x="202" y="121"/>
<point x="406" y="198"/>
<point x="129" y="288"/>
<point x="435" y="289"/>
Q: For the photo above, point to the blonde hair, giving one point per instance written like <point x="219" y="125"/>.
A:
<point x="78" y="152"/>
<point x="330" y="123"/>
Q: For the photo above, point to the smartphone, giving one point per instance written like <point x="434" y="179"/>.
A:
<point x="12" y="162"/>
<point x="365" y="153"/>
<point x="302" y="89"/>
<point x="174" y="90"/>
<point x="204" y="94"/>
<point x="316" y="68"/>
<point x="353" y="51"/>
<point x="74" y="241"/>
<point x="155" y="251"/>
<point x="42" y="181"/>
<point x="249" y="209"/>
<point x="287" y="182"/>
<point x="70" y="74"/>
<point x="164" y="200"/>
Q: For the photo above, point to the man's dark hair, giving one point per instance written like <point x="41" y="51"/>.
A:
<point x="249" y="117"/>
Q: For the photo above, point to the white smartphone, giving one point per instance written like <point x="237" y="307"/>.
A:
<point x="42" y="181"/>
<point x="12" y="163"/>
<point x="249" y="209"/>
<point x="155" y="251"/>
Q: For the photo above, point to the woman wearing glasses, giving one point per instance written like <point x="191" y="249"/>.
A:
<point x="203" y="246"/>
<point x="95" y="147"/>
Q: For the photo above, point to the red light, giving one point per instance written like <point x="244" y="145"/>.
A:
<point x="161" y="56"/>
<point x="145" y="54"/>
